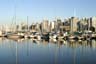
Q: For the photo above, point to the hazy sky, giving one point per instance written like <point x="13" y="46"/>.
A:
<point x="39" y="9"/>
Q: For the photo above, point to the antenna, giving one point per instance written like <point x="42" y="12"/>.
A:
<point x="14" y="18"/>
<point x="27" y="23"/>
<point x="74" y="12"/>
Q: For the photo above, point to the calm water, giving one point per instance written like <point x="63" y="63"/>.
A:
<point x="44" y="52"/>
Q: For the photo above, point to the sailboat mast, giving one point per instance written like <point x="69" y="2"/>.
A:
<point x="13" y="25"/>
<point x="15" y="16"/>
<point x="27" y="24"/>
<point x="74" y="12"/>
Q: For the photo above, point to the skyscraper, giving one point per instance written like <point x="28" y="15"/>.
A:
<point x="45" y="26"/>
<point x="94" y="22"/>
<point x="73" y="24"/>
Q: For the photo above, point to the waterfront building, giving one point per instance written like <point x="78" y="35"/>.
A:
<point x="84" y="24"/>
<point x="45" y="26"/>
<point x="19" y="27"/>
<point x="89" y="20"/>
<point x="7" y="28"/>
<point x="1" y="30"/>
<point x="65" y="26"/>
<point x="53" y="26"/>
<point x="24" y="26"/>
<point x="32" y="27"/>
<point x="94" y="22"/>
<point x="73" y="24"/>
<point x="59" y="23"/>
<point x="79" y="26"/>
<point x="1" y="33"/>
<point x="38" y="27"/>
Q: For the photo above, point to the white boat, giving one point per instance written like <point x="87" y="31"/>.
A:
<point x="72" y="40"/>
<point x="35" y="36"/>
<point x="52" y="40"/>
<point x="14" y="36"/>
<point x="79" y="40"/>
<point x="26" y="36"/>
<point x="38" y="36"/>
<point x="80" y="37"/>
<point x="71" y="37"/>
<point x="54" y="36"/>
<point x="60" y="37"/>
<point x="31" y="36"/>
<point x="2" y="34"/>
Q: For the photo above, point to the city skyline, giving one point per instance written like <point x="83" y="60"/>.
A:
<point x="39" y="10"/>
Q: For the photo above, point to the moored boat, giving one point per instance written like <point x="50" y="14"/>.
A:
<point x="53" y="36"/>
<point x="14" y="36"/>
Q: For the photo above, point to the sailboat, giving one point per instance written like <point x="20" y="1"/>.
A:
<point x="13" y="31"/>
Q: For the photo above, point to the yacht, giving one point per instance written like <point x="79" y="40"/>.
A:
<point x="53" y="36"/>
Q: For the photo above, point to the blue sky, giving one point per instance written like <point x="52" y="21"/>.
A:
<point x="38" y="9"/>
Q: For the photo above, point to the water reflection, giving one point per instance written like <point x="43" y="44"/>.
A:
<point x="47" y="52"/>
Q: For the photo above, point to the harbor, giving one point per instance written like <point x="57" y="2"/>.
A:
<point x="71" y="29"/>
<point x="47" y="32"/>
<point x="56" y="42"/>
<point x="47" y="36"/>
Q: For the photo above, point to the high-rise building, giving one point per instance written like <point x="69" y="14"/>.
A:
<point x="94" y="22"/>
<point x="73" y="24"/>
<point x="65" y="26"/>
<point x="38" y="27"/>
<point x="84" y="24"/>
<point x="24" y="26"/>
<point x="58" y="23"/>
<point x="32" y="27"/>
<point x="89" y="23"/>
<point x="45" y="26"/>
<point x="52" y="26"/>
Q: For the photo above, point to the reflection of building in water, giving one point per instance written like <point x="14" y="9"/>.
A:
<point x="19" y="40"/>
<point x="73" y="44"/>
<point x="56" y="55"/>
<point x="53" y="41"/>
<point x="45" y="42"/>
<point x="62" y="43"/>
<point x="38" y="42"/>
<point x="16" y="53"/>
<point x="2" y="39"/>
<point x="59" y="43"/>
<point x="93" y="44"/>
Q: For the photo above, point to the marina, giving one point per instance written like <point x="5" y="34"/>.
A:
<point x="49" y="36"/>
<point x="47" y="32"/>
